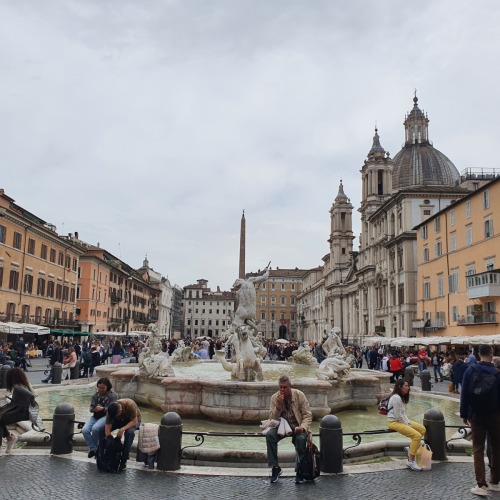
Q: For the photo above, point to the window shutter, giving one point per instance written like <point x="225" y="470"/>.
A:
<point x="450" y="283"/>
<point x="467" y="209"/>
<point x="455" y="282"/>
<point x="452" y="217"/>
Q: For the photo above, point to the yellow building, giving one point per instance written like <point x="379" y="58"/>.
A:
<point x="277" y="303"/>
<point x="458" y="283"/>
<point x="38" y="269"/>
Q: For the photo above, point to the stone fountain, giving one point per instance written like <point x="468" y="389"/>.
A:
<point x="244" y="398"/>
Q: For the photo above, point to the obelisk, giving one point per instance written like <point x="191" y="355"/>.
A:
<point x="242" y="247"/>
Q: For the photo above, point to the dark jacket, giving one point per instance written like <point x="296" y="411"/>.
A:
<point x="57" y="356"/>
<point x="20" y="346"/>
<point x="373" y="356"/>
<point x="465" y="408"/>
<point x="459" y="368"/>
<point x="104" y="401"/>
<point x="22" y="397"/>
<point x="96" y="358"/>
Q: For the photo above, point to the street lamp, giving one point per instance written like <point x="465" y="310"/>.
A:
<point x="128" y="306"/>
<point x="341" y="310"/>
<point x="272" y="327"/>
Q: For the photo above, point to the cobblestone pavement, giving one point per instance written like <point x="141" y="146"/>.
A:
<point x="28" y="477"/>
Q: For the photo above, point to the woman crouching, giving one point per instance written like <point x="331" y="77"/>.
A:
<point x="399" y="422"/>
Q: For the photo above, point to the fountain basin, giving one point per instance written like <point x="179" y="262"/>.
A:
<point x="241" y="402"/>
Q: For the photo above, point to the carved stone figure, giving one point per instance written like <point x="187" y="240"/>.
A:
<point x="333" y="344"/>
<point x="303" y="355"/>
<point x="155" y="363"/>
<point x="247" y="300"/>
<point x="333" y="368"/>
<point x="184" y="354"/>
<point x="247" y="366"/>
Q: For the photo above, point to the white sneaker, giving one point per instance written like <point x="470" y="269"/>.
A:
<point x="482" y="492"/>
<point x="412" y="465"/>
<point x="494" y="487"/>
<point x="10" y="444"/>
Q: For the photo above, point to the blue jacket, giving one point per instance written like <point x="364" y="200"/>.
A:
<point x="465" y="409"/>
<point x="459" y="368"/>
<point x="373" y="356"/>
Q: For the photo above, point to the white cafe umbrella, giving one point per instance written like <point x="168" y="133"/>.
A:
<point x="281" y="341"/>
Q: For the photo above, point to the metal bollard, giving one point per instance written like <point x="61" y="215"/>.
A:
<point x="409" y="375"/>
<point x="170" y="436"/>
<point x="331" y="445"/>
<point x="63" y="428"/>
<point x="425" y="379"/>
<point x="435" y="433"/>
<point x="57" y="370"/>
<point x="3" y="376"/>
<point x="75" y="371"/>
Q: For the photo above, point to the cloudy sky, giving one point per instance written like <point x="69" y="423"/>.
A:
<point x="148" y="126"/>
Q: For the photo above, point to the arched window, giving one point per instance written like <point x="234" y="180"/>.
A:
<point x="419" y="134"/>
<point x="413" y="135"/>
<point x="263" y="315"/>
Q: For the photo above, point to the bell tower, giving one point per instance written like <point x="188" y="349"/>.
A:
<point x="341" y="236"/>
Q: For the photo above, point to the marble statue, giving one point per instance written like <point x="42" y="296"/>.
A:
<point x="247" y="300"/>
<point x="247" y="366"/>
<point x="184" y="354"/>
<point x="333" y="344"/>
<point x="303" y="355"/>
<point x="155" y="363"/>
<point x="333" y="368"/>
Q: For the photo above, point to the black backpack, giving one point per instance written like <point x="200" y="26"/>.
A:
<point x="483" y="390"/>
<point x="310" y="465"/>
<point x="87" y="358"/>
<point x="109" y="454"/>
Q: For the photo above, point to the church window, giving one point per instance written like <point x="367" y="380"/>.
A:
<point x="413" y="135"/>
<point x="419" y="134"/>
<point x="343" y="251"/>
<point x="380" y="182"/>
<point x="342" y="221"/>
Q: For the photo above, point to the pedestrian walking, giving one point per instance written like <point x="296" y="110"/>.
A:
<point x="399" y="422"/>
<point x="480" y="408"/>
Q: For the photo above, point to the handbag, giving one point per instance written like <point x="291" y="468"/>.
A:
<point x="36" y="421"/>
<point x="426" y="457"/>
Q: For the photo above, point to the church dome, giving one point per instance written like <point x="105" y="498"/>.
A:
<point x="419" y="163"/>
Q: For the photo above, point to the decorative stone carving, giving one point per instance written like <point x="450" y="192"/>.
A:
<point x="334" y="368"/>
<point x="303" y="355"/>
<point x="184" y="354"/>
<point x="333" y="344"/>
<point x="153" y="362"/>
<point x="247" y="366"/>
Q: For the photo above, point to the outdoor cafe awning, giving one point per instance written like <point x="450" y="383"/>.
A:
<point x="20" y="328"/>
<point x="426" y="341"/>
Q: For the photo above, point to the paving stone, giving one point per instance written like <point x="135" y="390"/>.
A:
<point x="26" y="477"/>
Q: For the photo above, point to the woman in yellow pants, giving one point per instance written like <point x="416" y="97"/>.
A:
<point x="399" y="422"/>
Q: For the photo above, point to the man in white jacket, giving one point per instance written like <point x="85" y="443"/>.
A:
<point x="292" y="405"/>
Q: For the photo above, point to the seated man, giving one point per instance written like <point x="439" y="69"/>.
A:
<point x="292" y="405"/>
<point x="5" y="357"/>
<point x="125" y="416"/>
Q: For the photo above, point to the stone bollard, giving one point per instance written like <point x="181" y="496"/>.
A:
<point x="425" y="379"/>
<point x="435" y="433"/>
<point x="331" y="445"/>
<point x="3" y="376"/>
<point x="56" y="370"/>
<point x="63" y="428"/>
<point x="170" y="436"/>
<point x="75" y="371"/>
<point x="409" y="375"/>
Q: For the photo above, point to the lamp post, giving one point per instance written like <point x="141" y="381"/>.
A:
<point x="128" y="305"/>
<point x="341" y="310"/>
<point x="272" y="327"/>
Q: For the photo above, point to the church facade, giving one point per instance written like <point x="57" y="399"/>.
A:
<point x="373" y="290"/>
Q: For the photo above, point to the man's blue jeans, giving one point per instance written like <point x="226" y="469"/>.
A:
<point x="423" y="366"/>
<point x="128" y="437"/>
<point x="91" y="431"/>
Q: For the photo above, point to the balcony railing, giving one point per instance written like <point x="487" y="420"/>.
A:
<point x="483" y="284"/>
<point x="481" y="318"/>
<point x="115" y="320"/>
<point x="115" y="299"/>
<point x="480" y="174"/>
<point x="430" y="324"/>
